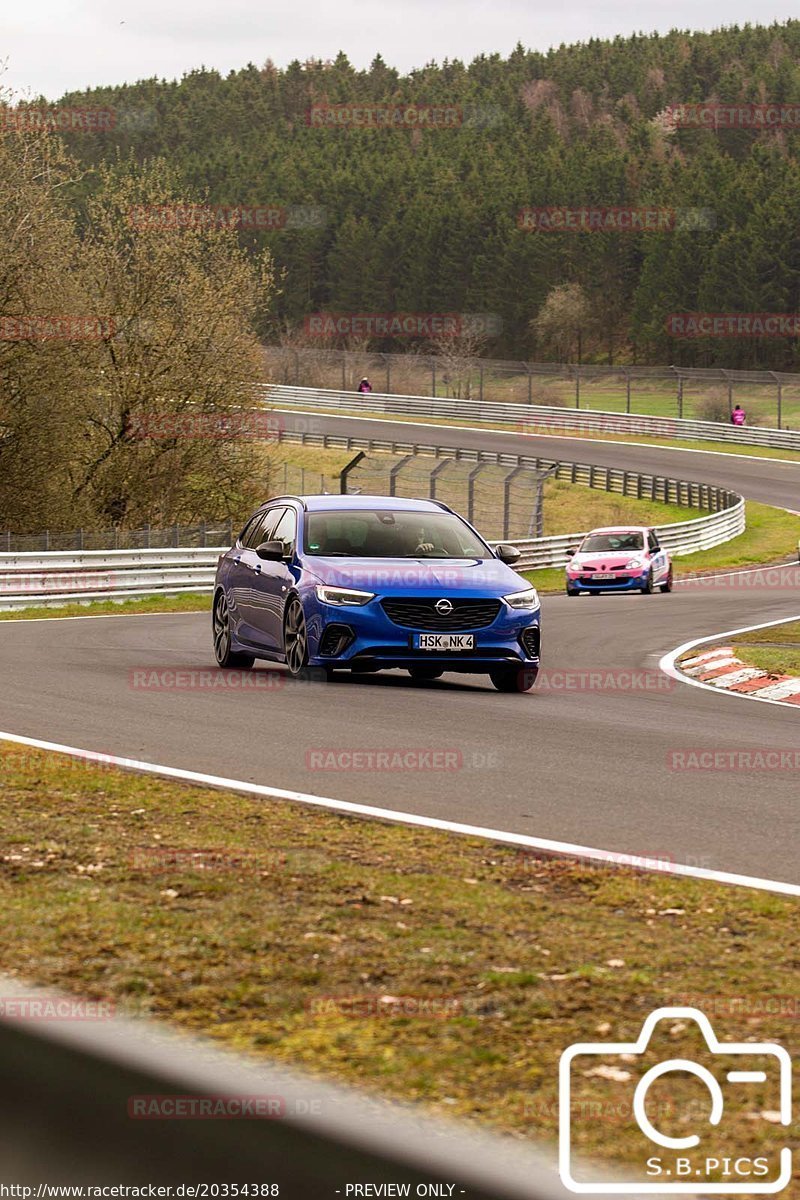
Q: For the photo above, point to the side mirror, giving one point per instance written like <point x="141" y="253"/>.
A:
<point x="271" y="551"/>
<point x="507" y="554"/>
<point x="572" y="550"/>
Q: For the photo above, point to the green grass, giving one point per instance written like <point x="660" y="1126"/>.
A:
<point x="241" y="918"/>
<point x="775" y="649"/>
<point x="148" y="604"/>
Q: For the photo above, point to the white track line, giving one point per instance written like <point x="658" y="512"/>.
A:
<point x="409" y="419"/>
<point x="668" y="661"/>
<point x="617" y="859"/>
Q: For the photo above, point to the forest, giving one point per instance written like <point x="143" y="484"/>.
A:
<point x="409" y="193"/>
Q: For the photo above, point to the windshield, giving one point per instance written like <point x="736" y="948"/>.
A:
<point x="614" y="542"/>
<point x="380" y="533"/>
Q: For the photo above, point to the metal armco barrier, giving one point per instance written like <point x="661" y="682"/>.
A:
<point x="67" y="1117"/>
<point x="530" y="418"/>
<point x="57" y="578"/>
<point x="726" y="519"/>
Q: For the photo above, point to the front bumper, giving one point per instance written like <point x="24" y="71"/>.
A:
<point x="375" y="642"/>
<point x="632" y="583"/>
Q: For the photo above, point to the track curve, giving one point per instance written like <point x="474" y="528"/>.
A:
<point x="588" y="759"/>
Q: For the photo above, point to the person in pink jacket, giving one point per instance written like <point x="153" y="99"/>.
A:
<point x="738" y="415"/>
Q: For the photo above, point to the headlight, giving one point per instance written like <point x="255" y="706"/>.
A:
<point x="633" y="565"/>
<point x="527" y="599"/>
<point x="341" y="596"/>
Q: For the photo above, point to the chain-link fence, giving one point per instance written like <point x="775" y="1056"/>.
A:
<point x="769" y="398"/>
<point x="500" y="502"/>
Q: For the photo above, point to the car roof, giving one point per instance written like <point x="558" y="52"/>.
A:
<point x="339" y="503"/>
<point x="620" y="529"/>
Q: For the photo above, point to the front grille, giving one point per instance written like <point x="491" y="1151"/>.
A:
<point x="420" y="613"/>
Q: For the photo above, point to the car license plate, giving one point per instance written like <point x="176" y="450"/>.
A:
<point x="604" y="575"/>
<point x="444" y="641"/>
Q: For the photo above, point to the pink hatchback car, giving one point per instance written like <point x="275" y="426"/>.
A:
<point x="627" y="559"/>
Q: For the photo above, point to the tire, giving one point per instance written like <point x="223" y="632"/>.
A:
<point x="666" y="586"/>
<point x="422" y="674"/>
<point x="221" y="629"/>
<point x="649" y="587"/>
<point x="573" y="592"/>
<point x="295" y="638"/>
<point x="513" y="679"/>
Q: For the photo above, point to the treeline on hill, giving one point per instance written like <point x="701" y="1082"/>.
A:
<point x="426" y="221"/>
<point x="123" y="352"/>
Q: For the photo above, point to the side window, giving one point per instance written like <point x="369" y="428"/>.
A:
<point x="286" y="529"/>
<point x="259" y="530"/>
<point x="250" y="528"/>
<point x="652" y="542"/>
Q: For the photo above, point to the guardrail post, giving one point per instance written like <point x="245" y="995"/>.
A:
<point x="433" y="377"/>
<point x="577" y="387"/>
<point x="388" y="374"/>
<point x="627" y="391"/>
<point x="680" y="395"/>
<point x="480" y="383"/>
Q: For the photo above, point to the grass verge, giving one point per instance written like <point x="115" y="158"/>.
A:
<point x="776" y="649"/>
<point x="442" y="970"/>
<point x="191" y="602"/>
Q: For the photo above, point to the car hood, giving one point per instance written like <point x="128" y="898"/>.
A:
<point x="410" y="576"/>
<point x="605" y="560"/>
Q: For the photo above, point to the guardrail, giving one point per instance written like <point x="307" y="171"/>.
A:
<point x="56" y="578"/>
<point x="531" y="418"/>
<point x="68" y="1117"/>
<point x="726" y="518"/>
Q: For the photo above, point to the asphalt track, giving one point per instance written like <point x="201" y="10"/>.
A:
<point x="589" y="758"/>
